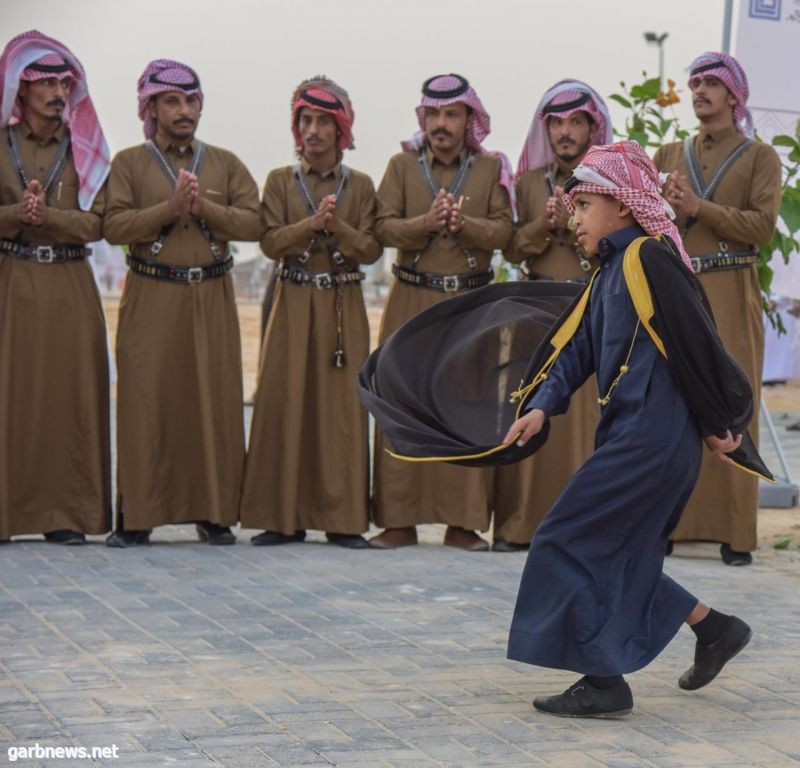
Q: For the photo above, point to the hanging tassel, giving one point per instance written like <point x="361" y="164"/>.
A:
<point x="338" y="358"/>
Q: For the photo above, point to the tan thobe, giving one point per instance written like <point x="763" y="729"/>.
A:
<point x="308" y="461"/>
<point x="524" y="492"/>
<point x="406" y="494"/>
<point x="743" y="213"/>
<point x="54" y="400"/>
<point x="180" y="430"/>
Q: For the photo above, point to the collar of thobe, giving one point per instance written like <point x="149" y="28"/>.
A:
<point x="716" y="137"/>
<point x="459" y="158"/>
<point x="309" y="169"/>
<point x="175" y="149"/>
<point x="618" y="241"/>
<point x="28" y="133"/>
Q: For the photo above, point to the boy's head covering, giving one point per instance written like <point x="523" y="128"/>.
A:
<point x="624" y="171"/>
<point x="324" y="94"/>
<point x="729" y="71"/>
<point x="33" y="56"/>
<point x="441" y="90"/>
<point x="163" y="76"/>
<point x="562" y="100"/>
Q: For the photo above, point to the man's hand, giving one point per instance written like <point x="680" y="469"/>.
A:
<point x="719" y="447"/>
<point x="325" y="217"/>
<point x="680" y="195"/>
<point x="185" y="194"/>
<point x="35" y="205"/>
<point x="525" y="428"/>
<point x="437" y="216"/>
<point x="455" y="221"/>
<point x="556" y="212"/>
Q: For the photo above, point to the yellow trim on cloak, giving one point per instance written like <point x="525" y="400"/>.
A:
<point x="642" y="299"/>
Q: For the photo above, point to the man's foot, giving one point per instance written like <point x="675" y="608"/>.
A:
<point x="213" y="533"/>
<point x="464" y="539"/>
<point x="70" y="538"/>
<point x="732" y="557"/>
<point x="125" y="539"/>
<point x="273" y="538"/>
<point x="710" y="659"/>
<point x="584" y="700"/>
<point x="347" y="540"/>
<point x="501" y="545"/>
<point x="394" y="538"/>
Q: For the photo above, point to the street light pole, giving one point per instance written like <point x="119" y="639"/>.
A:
<point x="653" y="39"/>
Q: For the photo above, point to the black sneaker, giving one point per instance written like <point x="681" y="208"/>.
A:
<point x="214" y="534"/>
<point x="70" y="538"/>
<point x="125" y="539"/>
<point x="347" y="540"/>
<point x="584" y="700"/>
<point x="732" y="557"/>
<point x="710" y="659"/>
<point x="501" y="545"/>
<point x="273" y="538"/>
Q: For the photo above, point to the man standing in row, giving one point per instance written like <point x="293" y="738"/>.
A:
<point x="726" y="191"/>
<point x="569" y="119"/>
<point x="308" y="463"/>
<point x="177" y="202"/>
<point x="445" y="204"/>
<point x="54" y="399"/>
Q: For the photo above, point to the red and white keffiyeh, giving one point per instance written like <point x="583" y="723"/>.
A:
<point x="89" y="147"/>
<point x="325" y="95"/>
<point x="624" y="171"/>
<point x="730" y="72"/>
<point x="441" y="90"/>
<point x="562" y="100"/>
<point x="164" y="76"/>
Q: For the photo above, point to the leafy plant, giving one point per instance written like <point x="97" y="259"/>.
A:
<point x="646" y="122"/>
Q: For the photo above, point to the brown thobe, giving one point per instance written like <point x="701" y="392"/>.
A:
<point x="180" y="431"/>
<point x="54" y="408"/>
<point x="406" y="494"/>
<point x="524" y="492"/>
<point x="743" y="213"/>
<point x="308" y="462"/>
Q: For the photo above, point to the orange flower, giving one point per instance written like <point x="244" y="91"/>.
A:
<point x="668" y="98"/>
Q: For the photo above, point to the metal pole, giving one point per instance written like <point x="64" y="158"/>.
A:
<point x="661" y="63"/>
<point x="765" y="414"/>
<point x="726" y="26"/>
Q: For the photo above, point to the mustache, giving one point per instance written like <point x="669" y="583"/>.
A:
<point x="566" y="140"/>
<point x="57" y="103"/>
<point x="442" y="132"/>
<point x="184" y="121"/>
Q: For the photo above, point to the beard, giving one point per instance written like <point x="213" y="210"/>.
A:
<point x="570" y="152"/>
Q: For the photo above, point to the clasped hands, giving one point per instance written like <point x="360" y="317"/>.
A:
<point x="32" y="209"/>
<point x="556" y="212"/>
<point x="680" y="194"/>
<point x="186" y="196"/>
<point x="444" y="213"/>
<point x="324" y="220"/>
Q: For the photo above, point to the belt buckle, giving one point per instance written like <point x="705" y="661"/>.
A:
<point x="194" y="275"/>
<point x="450" y="283"/>
<point x="45" y="254"/>
<point x="696" y="266"/>
<point x="323" y="280"/>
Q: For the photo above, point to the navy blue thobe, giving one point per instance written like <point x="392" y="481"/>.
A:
<point x="593" y="598"/>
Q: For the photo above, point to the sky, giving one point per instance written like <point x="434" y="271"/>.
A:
<point x="250" y="55"/>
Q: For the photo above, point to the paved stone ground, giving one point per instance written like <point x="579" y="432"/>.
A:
<point x="307" y="655"/>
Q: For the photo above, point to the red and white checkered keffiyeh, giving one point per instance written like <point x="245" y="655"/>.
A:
<point x="479" y="124"/>
<point x="624" y="171"/>
<point x="325" y="95"/>
<point x="537" y="151"/>
<point x="730" y="72"/>
<point x="89" y="147"/>
<point x="164" y="76"/>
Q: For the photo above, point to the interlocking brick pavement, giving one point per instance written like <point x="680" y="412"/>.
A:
<point x="183" y="654"/>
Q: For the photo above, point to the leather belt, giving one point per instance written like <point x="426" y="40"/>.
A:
<point x="716" y="262"/>
<point x="44" y="254"/>
<point x="185" y="275"/>
<point x="445" y="283"/>
<point x="320" y="280"/>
